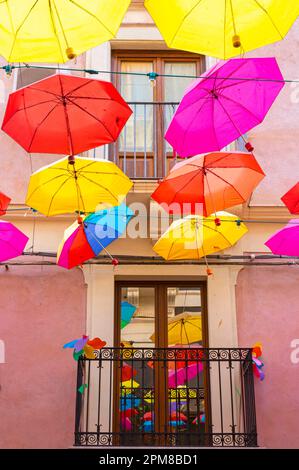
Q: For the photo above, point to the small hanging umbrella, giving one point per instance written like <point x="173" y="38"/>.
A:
<point x="79" y="186"/>
<point x="181" y="376"/>
<point x="86" y="239"/>
<point x="55" y="31"/>
<point x="285" y="242"/>
<point x="127" y="311"/>
<point x="195" y="237"/>
<point x="64" y="114"/>
<point x="291" y="199"/>
<point x="12" y="241"/>
<point x="221" y="28"/>
<point x="128" y="402"/>
<point x="185" y="328"/>
<point x="4" y="203"/>
<point x="209" y="183"/>
<point x="232" y="98"/>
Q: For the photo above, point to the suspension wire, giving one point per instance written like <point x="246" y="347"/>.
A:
<point x="151" y="75"/>
<point x="237" y="220"/>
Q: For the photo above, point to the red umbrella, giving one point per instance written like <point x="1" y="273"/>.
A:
<point x="4" y="202"/>
<point x="209" y="183"/>
<point x="291" y="199"/>
<point x="65" y="114"/>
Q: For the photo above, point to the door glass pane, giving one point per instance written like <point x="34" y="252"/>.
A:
<point x="138" y="316"/>
<point x="174" y="87"/>
<point x="186" y="393"/>
<point x="138" y="133"/>
<point x="137" y="391"/>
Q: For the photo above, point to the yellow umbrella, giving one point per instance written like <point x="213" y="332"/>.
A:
<point x="185" y="328"/>
<point x="83" y="185"/>
<point x="55" y="31"/>
<point x="222" y="28"/>
<point x="193" y="237"/>
<point x="128" y="386"/>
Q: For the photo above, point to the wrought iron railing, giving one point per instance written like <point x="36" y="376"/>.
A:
<point x="141" y="150"/>
<point x="166" y="397"/>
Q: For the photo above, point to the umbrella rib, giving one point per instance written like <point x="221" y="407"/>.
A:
<point x="56" y="192"/>
<point x="192" y="121"/>
<point x="219" y="233"/>
<point x="25" y="109"/>
<point x="101" y="186"/>
<point x="21" y="25"/>
<point x="44" y="91"/>
<point x="197" y="172"/>
<point x="270" y="18"/>
<point x="227" y="182"/>
<point x="94" y="117"/>
<point x="184" y="19"/>
<point x="54" y="28"/>
<point x="93" y="16"/>
<point x="43" y="184"/>
<point x="224" y="79"/>
<point x="193" y="324"/>
<point x="82" y="85"/>
<point x="39" y="125"/>
<point x="239" y="104"/>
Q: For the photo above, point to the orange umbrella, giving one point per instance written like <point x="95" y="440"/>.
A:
<point x="209" y="183"/>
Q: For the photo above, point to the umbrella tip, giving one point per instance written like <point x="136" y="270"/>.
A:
<point x="217" y="222"/>
<point x="209" y="272"/>
<point x="249" y="147"/>
<point x="70" y="53"/>
<point x="236" y="41"/>
<point x="80" y="220"/>
<point x="71" y="160"/>
<point x="115" y="262"/>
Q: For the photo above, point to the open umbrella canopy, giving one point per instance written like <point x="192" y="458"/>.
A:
<point x="230" y="99"/>
<point x="185" y="328"/>
<point x="4" y="203"/>
<point x="12" y="241"/>
<point x="193" y="237"/>
<point x="183" y="375"/>
<point x="55" y="31"/>
<point x="64" y="187"/>
<point x="86" y="239"/>
<point x="291" y="199"/>
<point x="221" y="28"/>
<point x="64" y="114"/>
<point x="209" y="183"/>
<point x="285" y="242"/>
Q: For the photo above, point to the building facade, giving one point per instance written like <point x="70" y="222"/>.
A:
<point x="245" y="300"/>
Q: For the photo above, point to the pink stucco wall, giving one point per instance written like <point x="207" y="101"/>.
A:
<point x="267" y="310"/>
<point x="41" y="308"/>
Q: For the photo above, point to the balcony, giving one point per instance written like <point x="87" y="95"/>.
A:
<point x="163" y="403"/>
<point x="141" y="150"/>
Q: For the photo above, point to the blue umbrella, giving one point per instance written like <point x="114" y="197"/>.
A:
<point x="128" y="402"/>
<point x="103" y="227"/>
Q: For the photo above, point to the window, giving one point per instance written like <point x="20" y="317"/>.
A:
<point x="27" y="76"/>
<point x="142" y="150"/>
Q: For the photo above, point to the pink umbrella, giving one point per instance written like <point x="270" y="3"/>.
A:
<point x="12" y="241"/>
<point x="232" y="98"/>
<point x="180" y="376"/>
<point x="286" y="241"/>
